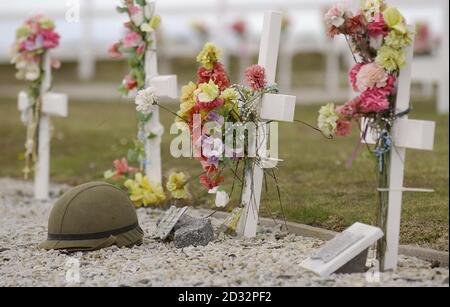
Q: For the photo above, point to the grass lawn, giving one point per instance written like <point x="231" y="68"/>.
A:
<point x="317" y="188"/>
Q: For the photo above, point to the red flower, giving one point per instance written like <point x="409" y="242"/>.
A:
<point x="239" y="27"/>
<point x="210" y="105"/>
<point x="255" y="77"/>
<point x="122" y="167"/>
<point x="374" y="101"/>
<point x="378" y="27"/>
<point x="210" y="183"/>
<point x="114" y="51"/>
<point x="354" y="25"/>
<point x="218" y="75"/>
<point x="344" y="128"/>
<point x="350" y="109"/>
<point x="51" y="39"/>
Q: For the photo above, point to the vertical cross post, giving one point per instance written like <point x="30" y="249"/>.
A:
<point x="405" y="134"/>
<point x="443" y="96"/>
<point x="52" y="104"/>
<point x="166" y="87"/>
<point x="271" y="107"/>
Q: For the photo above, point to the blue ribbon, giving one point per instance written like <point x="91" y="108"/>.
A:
<point x="384" y="146"/>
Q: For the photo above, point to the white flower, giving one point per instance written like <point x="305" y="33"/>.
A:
<point x="222" y="199"/>
<point x="32" y="72"/>
<point x="138" y="17"/>
<point x="328" y="118"/>
<point x="145" y="99"/>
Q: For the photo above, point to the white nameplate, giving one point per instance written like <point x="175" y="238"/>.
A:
<point x="341" y="250"/>
<point x="168" y="222"/>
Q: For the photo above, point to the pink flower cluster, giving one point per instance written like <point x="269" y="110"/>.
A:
<point x="375" y="84"/>
<point x="255" y="77"/>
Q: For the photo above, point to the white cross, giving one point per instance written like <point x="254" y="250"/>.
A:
<point x="166" y="87"/>
<point x="406" y="133"/>
<point x="272" y="108"/>
<point x="53" y="104"/>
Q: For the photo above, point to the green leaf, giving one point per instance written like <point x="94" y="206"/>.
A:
<point x="121" y="9"/>
<point x="133" y="156"/>
<point x="152" y="136"/>
<point x="141" y="2"/>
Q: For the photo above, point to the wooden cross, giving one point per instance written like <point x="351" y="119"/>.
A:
<point x="272" y="107"/>
<point x="53" y="104"/>
<point x="406" y="134"/>
<point x="166" y="87"/>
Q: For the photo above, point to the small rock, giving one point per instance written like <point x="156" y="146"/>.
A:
<point x="193" y="232"/>
<point x="3" y="250"/>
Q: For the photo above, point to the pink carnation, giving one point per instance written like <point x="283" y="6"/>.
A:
<point x="344" y="128"/>
<point x="51" y="39"/>
<point x="256" y="77"/>
<point x="131" y="40"/>
<point x="378" y="27"/>
<point x="353" y="73"/>
<point x="350" y="109"/>
<point x="374" y="101"/>
<point x="371" y="76"/>
<point x="114" y="51"/>
<point x="141" y="49"/>
<point x="390" y="87"/>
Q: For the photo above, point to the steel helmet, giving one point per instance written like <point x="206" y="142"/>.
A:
<point x="93" y="216"/>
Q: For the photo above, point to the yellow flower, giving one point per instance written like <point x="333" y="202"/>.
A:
<point x="395" y="20"/>
<point x="177" y="186"/>
<point x="152" y="25"/>
<point x="143" y="193"/>
<point x="209" y="56"/>
<point x="399" y="40"/>
<point x="372" y="8"/>
<point x="390" y="59"/>
<point x="207" y="92"/>
<point x="328" y="118"/>
<point x="229" y="96"/>
<point x="188" y="93"/>
<point x="155" y="22"/>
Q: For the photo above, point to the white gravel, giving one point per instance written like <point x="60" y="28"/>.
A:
<point x="263" y="261"/>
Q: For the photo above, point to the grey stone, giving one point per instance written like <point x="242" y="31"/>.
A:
<point x="356" y="265"/>
<point x="190" y="231"/>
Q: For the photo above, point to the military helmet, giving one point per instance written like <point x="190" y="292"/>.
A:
<point x="93" y="216"/>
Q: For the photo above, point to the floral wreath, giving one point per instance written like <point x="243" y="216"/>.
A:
<point x="34" y="38"/>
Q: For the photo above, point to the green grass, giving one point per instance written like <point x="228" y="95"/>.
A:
<point x="317" y="188"/>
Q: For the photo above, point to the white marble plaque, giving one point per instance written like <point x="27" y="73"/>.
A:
<point x="341" y="250"/>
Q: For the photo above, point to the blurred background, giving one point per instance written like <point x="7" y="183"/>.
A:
<point x="89" y="27"/>
<point x="317" y="187"/>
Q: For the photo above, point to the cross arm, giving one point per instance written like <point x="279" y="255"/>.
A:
<point x="166" y="86"/>
<point x="278" y="107"/>
<point x="53" y="104"/>
<point x="408" y="133"/>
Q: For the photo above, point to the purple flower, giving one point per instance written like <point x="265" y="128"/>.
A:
<point x="215" y="117"/>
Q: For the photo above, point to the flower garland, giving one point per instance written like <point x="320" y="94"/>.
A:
<point x="139" y="38"/>
<point x="377" y="36"/>
<point x="214" y="102"/>
<point x="34" y="38"/>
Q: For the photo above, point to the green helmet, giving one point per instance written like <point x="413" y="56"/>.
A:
<point x="93" y="216"/>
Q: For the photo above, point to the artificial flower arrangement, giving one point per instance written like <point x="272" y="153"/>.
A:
<point x="214" y="102"/>
<point x="377" y="36"/>
<point x="142" y="192"/>
<point x="34" y="39"/>
<point x="140" y="37"/>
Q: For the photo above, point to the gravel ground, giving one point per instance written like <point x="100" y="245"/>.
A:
<point x="270" y="259"/>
